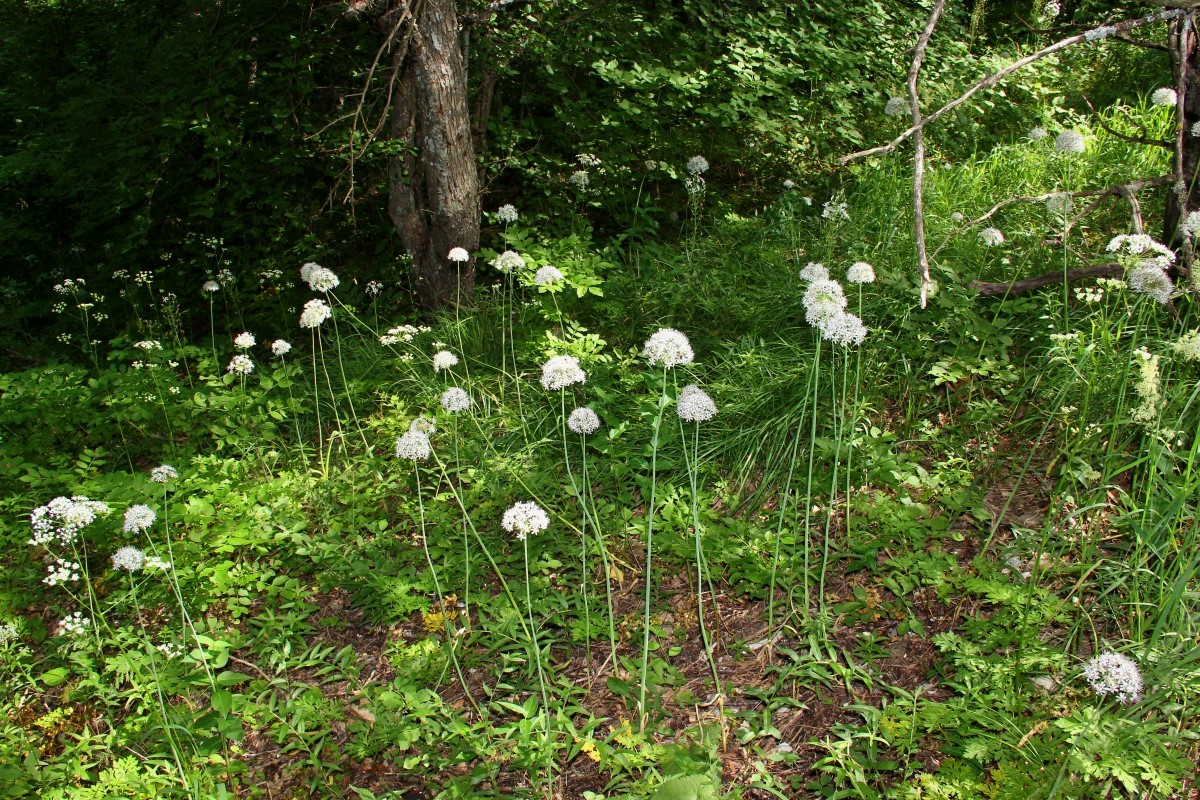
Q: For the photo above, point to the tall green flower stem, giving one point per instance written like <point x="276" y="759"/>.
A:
<point x="212" y="332"/>
<point x="583" y="583"/>
<point x="693" y="466"/>
<point x="838" y="412"/>
<point x="537" y="651"/>
<point x="590" y="508"/>
<point x="512" y="344"/>
<point x="465" y="539"/>
<point x="663" y="402"/>
<point x="185" y="618"/>
<point x="317" y="406"/>
<point x="337" y="337"/>
<point x="291" y="405"/>
<point x="814" y="384"/>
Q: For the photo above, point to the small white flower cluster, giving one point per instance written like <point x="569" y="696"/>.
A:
<point x="1089" y="294"/>
<point x="1196" y="129"/>
<point x="814" y="271"/>
<point x="1151" y="280"/>
<point x="668" y="347"/>
<point x="1147" y="261"/>
<point x="8" y="633"/>
<point x="1059" y="204"/>
<point x="459" y="254"/>
<point x="268" y="276"/>
<point x="1115" y="674"/>
<point x="374" y="288"/>
<point x="70" y="285"/>
<point x="560" y="372"/>
<point x="508" y="261"/>
<point x="444" y="359"/>
<point x="825" y="309"/>
<point x="224" y="276"/>
<point x="244" y="340"/>
<point x="1163" y="97"/>
<point x="991" y="237"/>
<point x="548" y="275"/>
<point x="319" y="278"/>
<point x="211" y="287"/>
<point x="1147" y="387"/>
<point x="1037" y="134"/>
<point x="860" y="272"/>
<point x="164" y="474"/>
<point x="455" y="400"/>
<point x="139" y="518"/>
<point x="957" y="217"/>
<point x="315" y="312"/>
<point x="1191" y="224"/>
<point x="1103" y="32"/>
<point x="148" y="345"/>
<point x="697" y="165"/>
<point x="580" y="179"/>
<point x="130" y="559"/>
<point x="524" y="519"/>
<point x="588" y="160"/>
<point x="170" y="650"/>
<point x="583" y="421"/>
<point x="240" y="365"/>
<point x="1069" y="142"/>
<point x="835" y="211"/>
<point x="414" y="444"/>
<point x="694" y="404"/>
<point x="425" y="424"/>
<point x="74" y="624"/>
<point x="1051" y="9"/>
<point x="157" y="564"/>
<point x="402" y="333"/>
<point x="896" y="107"/>
<point x="507" y="213"/>
<point x="63" y="518"/>
<point x="1188" y="345"/>
<point x="789" y="184"/>
<point x="281" y="347"/>
<point x="61" y="571"/>
<point x="845" y="329"/>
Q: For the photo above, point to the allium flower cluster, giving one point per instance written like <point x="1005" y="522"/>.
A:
<point x="508" y="261"/>
<point x="321" y="279"/>
<point x="580" y="179"/>
<point x="1152" y="280"/>
<point x="1115" y="674"/>
<point x="560" y="372"/>
<point x="547" y="275"/>
<point x="74" y="624"/>
<point x="1069" y="142"/>
<point x="583" y="421"/>
<point x="459" y="254"/>
<point x="1196" y="129"/>
<point x="835" y="211"/>
<point x="524" y="519"/>
<point x="211" y="286"/>
<point x="823" y="300"/>
<point x="1188" y="345"/>
<point x="1163" y="97"/>
<point x="697" y="165"/>
<point x="164" y="474"/>
<point x="860" y="272"/>
<point x="1037" y="134"/>
<point x="991" y="237"/>
<point x="814" y="271"/>
<point x="240" y="365"/>
<point x="244" y="341"/>
<point x="1136" y="244"/>
<point x="455" y="400"/>
<point x="896" y="107"/>
<point x="281" y="347"/>
<point x="8" y="633"/>
<point x="789" y="184"/>
<point x="507" y="213"/>
<point x="845" y="329"/>
<point x="694" y="404"/>
<point x="315" y="312"/>
<point x="139" y="518"/>
<point x="374" y="288"/>
<point x="444" y="359"/>
<point x="130" y="559"/>
<point x="413" y="445"/>
<point x="61" y="571"/>
<point x="63" y="518"/>
<point x="668" y="347"/>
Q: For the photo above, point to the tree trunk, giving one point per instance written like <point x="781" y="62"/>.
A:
<point x="1185" y="63"/>
<point x="433" y="183"/>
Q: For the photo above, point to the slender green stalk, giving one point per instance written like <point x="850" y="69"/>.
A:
<point x="162" y="703"/>
<point x="693" y="467"/>
<point x="812" y="452"/>
<point x="583" y="582"/>
<point x="337" y="338"/>
<point x="662" y="404"/>
<point x="612" y="630"/>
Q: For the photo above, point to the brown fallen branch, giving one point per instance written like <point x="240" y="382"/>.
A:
<point x="914" y="102"/>
<point x="1006" y="288"/>
<point x="1124" y="136"/>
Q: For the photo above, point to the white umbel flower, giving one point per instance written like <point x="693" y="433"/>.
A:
<point x="164" y="474"/>
<point x="583" y="421"/>
<point x="1191" y="224"/>
<point x="580" y="179"/>
<point x="240" y="365"/>
<point x="74" y="624"/>
<point x="307" y="270"/>
<point x="321" y="279"/>
<point x="697" y="165"/>
<point x="61" y="571"/>
<point x="455" y="400"/>
<point x="211" y="286"/>
<point x="1069" y="142"/>
<point x="845" y="329"/>
<point x="244" y="340"/>
<point x="991" y="237"/>
<point x="443" y="359"/>
<point x="524" y="519"/>
<point x="1115" y="674"/>
<point x="694" y="404"/>
<point x="508" y="261"/>
<point x="130" y="559"/>
<point x="315" y="312"/>
<point x="1163" y="97"/>
<point x="668" y="347"/>
<point x="560" y="372"/>
<point x="823" y="300"/>
<point x="413" y="445"/>
<point x="547" y="275"/>
<point x="459" y="254"/>
<point x="896" y="107"/>
<point x="814" y="271"/>
<point x="139" y="518"/>
<point x="1150" y="279"/>
<point x="1037" y="134"/>
<point x="507" y="213"/>
<point x="1188" y="345"/>
<point x="860" y="272"/>
<point x="281" y="347"/>
<point x="63" y="518"/>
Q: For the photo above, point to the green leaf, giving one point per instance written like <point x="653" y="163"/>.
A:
<point x="687" y="787"/>
<point x="229" y="678"/>
<point x="56" y="676"/>
<point x="222" y="701"/>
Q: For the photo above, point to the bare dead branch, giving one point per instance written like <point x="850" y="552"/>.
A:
<point x="996" y="77"/>
<point x="1123" y="136"/>
<point x="914" y="104"/>
<point x="1006" y="288"/>
<point x="1178" y="41"/>
<point x="1141" y="43"/>
<point x="1135" y="210"/>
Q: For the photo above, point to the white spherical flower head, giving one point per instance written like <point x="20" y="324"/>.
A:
<point x="211" y="286"/>
<point x="823" y="300"/>
<point x="130" y="559"/>
<point x="1069" y="142"/>
<point x="860" y="272"/>
<point x="443" y="359"/>
<point x="307" y="270"/>
<point x="164" y="474"/>
<point x="1150" y="279"/>
<point x="508" y="261"/>
<point x="63" y="518"/>
<point x="814" y="271"/>
<point x="1037" y="134"/>
<point x="991" y="237"/>
<point x="547" y="275"/>
<point x="694" y="404"/>
<point x="789" y="184"/>
<point x="413" y="445"/>
<point x="315" y="312"/>
<point x="455" y="400"/>
<point x="697" y="165"/>
<point x="507" y="213"/>
<point x="1059" y="204"/>
<point x="668" y="347"/>
<point x="1188" y="345"/>
<point x="845" y="329"/>
<point x="244" y="341"/>
<point x="1163" y="97"/>
<point x="1191" y="225"/>
<point x="896" y="107"/>
<point x="425" y="424"/>
<point x="321" y="279"/>
<point x="580" y="178"/>
<point x="1196" y="129"/>
<point x="240" y="365"/>
<point x="957" y="217"/>
<point x="525" y="519"/>
<point x="139" y="518"/>
<point x="583" y="421"/>
<point x="460" y="255"/>
<point x="281" y="347"/>
<point x="1115" y="674"/>
<point x="560" y="372"/>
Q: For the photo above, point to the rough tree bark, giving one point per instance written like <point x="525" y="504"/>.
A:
<point x="1185" y="63"/>
<point x="433" y="182"/>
